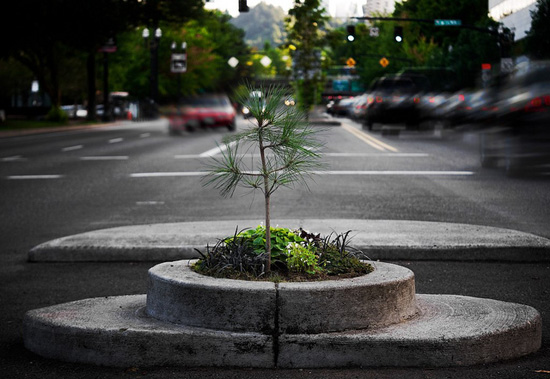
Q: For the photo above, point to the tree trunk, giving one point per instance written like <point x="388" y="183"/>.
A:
<point x="267" y="232"/>
<point x="90" y="68"/>
<point x="267" y="195"/>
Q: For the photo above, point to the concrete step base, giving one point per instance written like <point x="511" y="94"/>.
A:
<point x="449" y="331"/>
<point x="379" y="239"/>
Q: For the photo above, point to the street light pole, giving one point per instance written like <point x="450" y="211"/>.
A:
<point x="153" y="47"/>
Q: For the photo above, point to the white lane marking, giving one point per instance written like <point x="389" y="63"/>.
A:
<point x="105" y="158"/>
<point x="144" y="135"/>
<point x="71" y="148"/>
<point x="13" y="158"/>
<point x="390" y="155"/>
<point x="217" y="150"/>
<point x="186" y="156"/>
<point x="336" y="155"/>
<point x="370" y="140"/>
<point x="167" y="174"/>
<point x="116" y="140"/>
<point x="24" y="177"/>
<point x="418" y="173"/>
<point x="149" y="202"/>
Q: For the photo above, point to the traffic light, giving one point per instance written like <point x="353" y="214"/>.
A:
<point x="243" y="7"/>
<point x="351" y="33"/>
<point x="398" y="34"/>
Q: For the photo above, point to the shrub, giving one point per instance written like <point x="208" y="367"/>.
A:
<point x="297" y="255"/>
<point x="57" y="114"/>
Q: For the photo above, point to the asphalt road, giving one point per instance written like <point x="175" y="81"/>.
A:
<point x="59" y="184"/>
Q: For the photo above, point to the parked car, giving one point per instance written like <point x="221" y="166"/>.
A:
<point x="394" y="99"/>
<point x="75" y="111"/>
<point x="206" y="111"/>
<point x="517" y="134"/>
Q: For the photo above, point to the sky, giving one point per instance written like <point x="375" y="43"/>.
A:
<point x="347" y="6"/>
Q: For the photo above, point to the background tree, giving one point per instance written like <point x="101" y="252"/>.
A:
<point x="457" y="48"/>
<point x="48" y="36"/>
<point x="538" y="37"/>
<point x="211" y="40"/>
<point x="305" y="24"/>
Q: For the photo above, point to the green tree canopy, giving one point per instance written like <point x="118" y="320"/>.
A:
<point x="538" y="37"/>
<point x="305" y="23"/>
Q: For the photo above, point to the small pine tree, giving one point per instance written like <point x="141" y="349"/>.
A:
<point x="286" y="145"/>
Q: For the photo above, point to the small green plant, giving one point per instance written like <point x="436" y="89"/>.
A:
<point x="302" y="258"/>
<point x="296" y="254"/>
<point x="286" y="145"/>
<point x="280" y="238"/>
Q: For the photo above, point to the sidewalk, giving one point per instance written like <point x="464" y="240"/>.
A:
<point x="43" y="130"/>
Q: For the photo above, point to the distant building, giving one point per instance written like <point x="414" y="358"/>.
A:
<point x="514" y="14"/>
<point x="373" y="7"/>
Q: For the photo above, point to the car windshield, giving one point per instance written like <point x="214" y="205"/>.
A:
<point x="205" y="101"/>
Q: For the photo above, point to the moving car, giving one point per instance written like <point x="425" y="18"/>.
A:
<point x="518" y="133"/>
<point x="205" y="111"/>
<point x="395" y="99"/>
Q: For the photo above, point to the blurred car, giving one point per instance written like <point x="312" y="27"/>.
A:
<point x="290" y="102"/>
<point x="518" y="132"/>
<point x="394" y="99"/>
<point x="254" y="96"/>
<point x="340" y="106"/>
<point x="75" y="111"/>
<point x="206" y="111"/>
<point x="456" y="110"/>
<point x="359" y="109"/>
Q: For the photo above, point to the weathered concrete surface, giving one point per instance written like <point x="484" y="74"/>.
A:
<point x="383" y="297"/>
<point x="178" y="294"/>
<point x="379" y="239"/>
<point x="451" y="331"/>
<point x="115" y="331"/>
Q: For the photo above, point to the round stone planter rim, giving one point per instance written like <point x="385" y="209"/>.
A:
<point x="179" y="295"/>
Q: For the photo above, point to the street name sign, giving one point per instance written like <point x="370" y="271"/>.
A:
<point x="447" y="22"/>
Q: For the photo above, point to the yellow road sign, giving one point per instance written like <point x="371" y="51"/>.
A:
<point x="351" y="62"/>
<point x="384" y="62"/>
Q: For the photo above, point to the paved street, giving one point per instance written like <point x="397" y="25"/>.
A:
<point x="58" y="184"/>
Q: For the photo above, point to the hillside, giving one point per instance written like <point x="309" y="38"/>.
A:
<point x="263" y="23"/>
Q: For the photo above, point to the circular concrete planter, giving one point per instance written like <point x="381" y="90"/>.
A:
<point x="179" y="295"/>
<point x="188" y="319"/>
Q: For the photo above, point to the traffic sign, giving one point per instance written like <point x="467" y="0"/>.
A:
<point x="351" y="62"/>
<point x="265" y="61"/>
<point x="384" y="62"/>
<point x="178" y="63"/>
<point x="447" y="22"/>
<point x="233" y="62"/>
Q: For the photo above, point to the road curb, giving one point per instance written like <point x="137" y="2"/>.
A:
<point x="378" y="239"/>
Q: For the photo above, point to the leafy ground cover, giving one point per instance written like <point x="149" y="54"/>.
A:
<point x="296" y="255"/>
